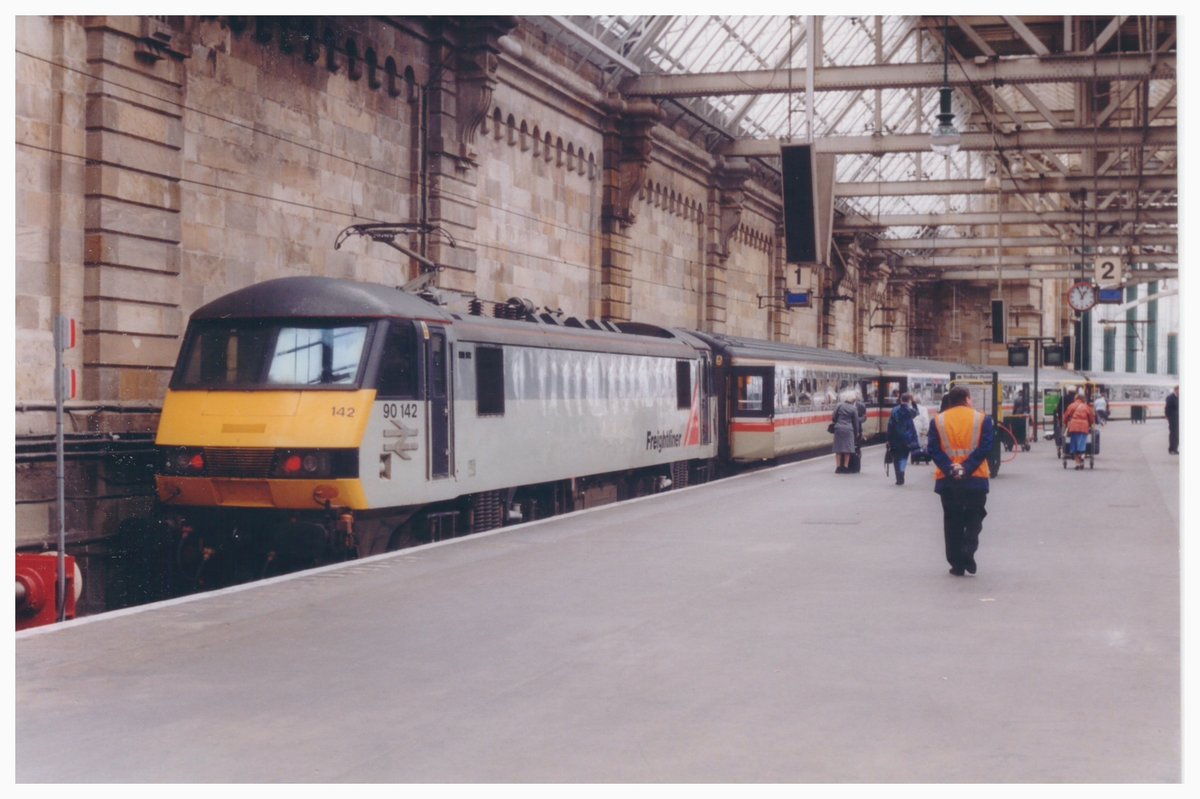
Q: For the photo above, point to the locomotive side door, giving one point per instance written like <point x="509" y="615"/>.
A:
<point x="437" y="388"/>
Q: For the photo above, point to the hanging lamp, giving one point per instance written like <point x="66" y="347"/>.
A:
<point x="945" y="139"/>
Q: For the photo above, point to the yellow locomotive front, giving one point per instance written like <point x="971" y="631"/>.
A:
<point x="261" y="433"/>
<point x="265" y="414"/>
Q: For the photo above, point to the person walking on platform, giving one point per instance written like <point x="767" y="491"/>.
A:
<point x="1172" y="411"/>
<point x="847" y="429"/>
<point x="1020" y="404"/>
<point x="960" y="440"/>
<point x="1101" y="408"/>
<point x="1079" y="419"/>
<point x="902" y="435"/>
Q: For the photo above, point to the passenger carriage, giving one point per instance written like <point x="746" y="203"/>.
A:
<point x="1127" y="391"/>
<point x="777" y="399"/>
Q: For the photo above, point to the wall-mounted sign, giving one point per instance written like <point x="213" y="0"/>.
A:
<point x="798" y="299"/>
<point x="1109" y="270"/>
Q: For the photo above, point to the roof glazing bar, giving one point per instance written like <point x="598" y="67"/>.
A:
<point x="597" y="45"/>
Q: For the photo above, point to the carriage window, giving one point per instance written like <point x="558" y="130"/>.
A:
<point x="489" y="381"/>
<point x="398" y="366"/>
<point x="683" y="384"/>
<point x="890" y="396"/>
<point x="750" y="392"/>
<point x="785" y="395"/>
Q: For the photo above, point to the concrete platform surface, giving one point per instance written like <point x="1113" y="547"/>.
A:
<point x="790" y="625"/>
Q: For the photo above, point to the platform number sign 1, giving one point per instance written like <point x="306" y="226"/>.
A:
<point x="66" y="337"/>
<point x="1109" y="270"/>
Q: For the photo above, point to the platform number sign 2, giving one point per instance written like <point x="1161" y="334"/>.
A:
<point x="1108" y="270"/>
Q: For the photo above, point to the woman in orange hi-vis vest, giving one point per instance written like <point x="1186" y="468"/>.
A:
<point x="960" y="440"/>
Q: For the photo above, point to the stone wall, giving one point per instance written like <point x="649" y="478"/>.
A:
<point x="539" y="207"/>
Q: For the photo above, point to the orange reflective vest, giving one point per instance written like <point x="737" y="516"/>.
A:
<point x="959" y="430"/>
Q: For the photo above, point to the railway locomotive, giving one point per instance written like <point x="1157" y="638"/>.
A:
<point x="312" y="419"/>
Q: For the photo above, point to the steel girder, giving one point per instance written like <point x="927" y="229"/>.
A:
<point x="1031" y="273"/>
<point x="983" y="261"/>
<point x="1018" y="241"/>
<point x="1073" y="68"/>
<point x="1046" y="185"/>
<point x="1107" y="217"/>
<point x="1055" y="140"/>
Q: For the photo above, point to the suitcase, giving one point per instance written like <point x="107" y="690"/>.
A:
<point x="855" y="461"/>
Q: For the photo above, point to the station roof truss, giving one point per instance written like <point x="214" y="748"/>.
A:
<point x="1075" y="115"/>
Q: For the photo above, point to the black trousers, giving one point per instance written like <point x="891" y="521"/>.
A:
<point x="1172" y="434"/>
<point x="963" y="512"/>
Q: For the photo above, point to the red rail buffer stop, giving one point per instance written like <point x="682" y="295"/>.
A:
<point x="37" y="578"/>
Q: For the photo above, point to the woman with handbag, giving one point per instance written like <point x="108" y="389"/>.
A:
<point x="847" y="430"/>
<point x="1079" y="419"/>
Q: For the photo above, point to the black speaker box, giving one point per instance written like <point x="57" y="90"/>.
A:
<point x="799" y="203"/>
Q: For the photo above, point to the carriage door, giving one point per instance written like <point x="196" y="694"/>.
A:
<point x="706" y="398"/>
<point x="887" y="392"/>
<point x="890" y="390"/>
<point x="438" y="394"/>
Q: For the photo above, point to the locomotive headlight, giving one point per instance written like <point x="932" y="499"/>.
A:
<point x="304" y="464"/>
<point x="183" y="461"/>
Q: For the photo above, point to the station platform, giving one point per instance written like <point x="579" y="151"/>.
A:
<point x="786" y="625"/>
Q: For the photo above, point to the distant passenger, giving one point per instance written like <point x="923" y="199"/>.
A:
<point x="847" y="430"/>
<point x="1079" y="419"/>
<point x="1101" y="407"/>
<point x="1171" y="409"/>
<point x="1016" y="430"/>
<point x="861" y="407"/>
<point x="921" y="423"/>
<point x="1020" y="404"/>
<point x="902" y="435"/>
<point x="960" y="440"/>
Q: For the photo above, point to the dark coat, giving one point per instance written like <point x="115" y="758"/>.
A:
<point x="902" y="433"/>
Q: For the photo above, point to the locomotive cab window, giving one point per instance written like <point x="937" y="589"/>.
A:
<point x="683" y="384"/>
<point x="307" y="356"/>
<point x="226" y="355"/>
<point x="489" y="381"/>
<point x="398" y="365"/>
<point x="237" y="354"/>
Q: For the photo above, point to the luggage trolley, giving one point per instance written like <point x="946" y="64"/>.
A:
<point x="1062" y="437"/>
<point x="1093" y="449"/>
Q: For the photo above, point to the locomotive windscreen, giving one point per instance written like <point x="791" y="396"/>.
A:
<point x="241" y="354"/>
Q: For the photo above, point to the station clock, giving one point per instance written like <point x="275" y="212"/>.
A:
<point x="1082" y="296"/>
